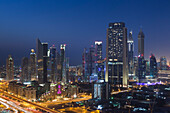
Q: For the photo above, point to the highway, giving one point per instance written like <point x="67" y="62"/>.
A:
<point x="65" y="101"/>
<point x="31" y="103"/>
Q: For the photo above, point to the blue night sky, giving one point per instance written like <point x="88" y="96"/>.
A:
<point x="79" y="23"/>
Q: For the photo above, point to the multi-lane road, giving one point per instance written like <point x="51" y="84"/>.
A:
<point x="31" y="103"/>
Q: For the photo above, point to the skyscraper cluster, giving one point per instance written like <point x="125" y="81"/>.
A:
<point x="93" y="63"/>
<point x="52" y="66"/>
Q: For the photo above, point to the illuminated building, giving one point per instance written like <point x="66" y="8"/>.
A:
<point x="99" y="60"/>
<point x="45" y="60"/>
<point x="58" y="71"/>
<point x="32" y="63"/>
<point x="39" y="51"/>
<point x="75" y="73"/>
<point x="164" y="76"/>
<point x="116" y="55"/>
<point x="9" y="68"/>
<point x="30" y="93"/>
<point x="89" y="64"/>
<point x="130" y="54"/>
<point x="153" y="66"/>
<point x="42" y="59"/>
<point x="84" y="64"/>
<point x="53" y="76"/>
<point x="147" y="64"/>
<point x="135" y="65"/>
<point x="141" y="43"/>
<point x="24" y="66"/>
<point x="99" y="90"/>
<point x="163" y="63"/>
<point x="64" y="62"/>
<point x="141" y="61"/>
<point x="66" y="70"/>
<point x="141" y="69"/>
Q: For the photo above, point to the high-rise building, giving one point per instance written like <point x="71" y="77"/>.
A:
<point x="116" y="55"/>
<point x="62" y="60"/>
<point x="99" y="60"/>
<point x="84" y="64"/>
<point x="130" y="54"/>
<point x="163" y="63"/>
<point x="24" y="66"/>
<point x="9" y="68"/>
<point x="42" y="59"/>
<point x="153" y="66"/>
<point x="58" y="63"/>
<point x="141" y="61"/>
<point x="32" y="65"/>
<point x="39" y="50"/>
<point x="141" y="43"/>
<point x="53" y="67"/>
<point x="45" y="61"/>
<point x="147" y="64"/>
<point x="91" y="67"/>
<point x="141" y="68"/>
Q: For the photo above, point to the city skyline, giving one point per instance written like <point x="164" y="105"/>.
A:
<point x="85" y="22"/>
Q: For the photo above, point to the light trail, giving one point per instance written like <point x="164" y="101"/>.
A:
<point x="14" y="105"/>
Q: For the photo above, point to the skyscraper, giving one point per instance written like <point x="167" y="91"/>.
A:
<point x="130" y="54"/>
<point x="9" y="68"/>
<point x="163" y="63"/>
<point x="42" y="59"/>
<point x="141" y="43"/>
<point x="62" y="60"/>
<point x="141" y="68"/>
<point x="91" y="67"/>
<point x="99" y="60"/>
<point x="84" y="64"/>
<point x="116" y="54"/>
<point x="53" y="67"/>
<point x="39" y="50"/>
<point x="24" y="66"/>
<point x="153" y="66"/>
<point x="141" y="61"/>
<point x="45" y="60"/>
<point x="32" y="65"/>
<point x="58" y="63"/>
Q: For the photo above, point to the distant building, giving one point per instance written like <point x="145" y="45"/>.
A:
<point x="141" y="69"/>
<point x="147" y="64"/>
<point x="39" y="50"/>
<point x="42" y="59"/>
<point x="25" y="77"/>
<point x="99" y="60"/>
<point x="141" y="60"/>
<point x="163" y="63"/>
<point x="9" y="68"/>
<point x="32" y="65"/>
<point x="153" y="66"/>
<point x="64" y="63"/>
<point x="130" y="43"/>
<point x="62" y="59"/>
<point x="84" y="64"/>
<point x="141" y="43"/>
<point x="45" y="61"/>
<point x="53" y="66"/>
<point x="58" y="67"/>
<point x="116" y="55"/>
